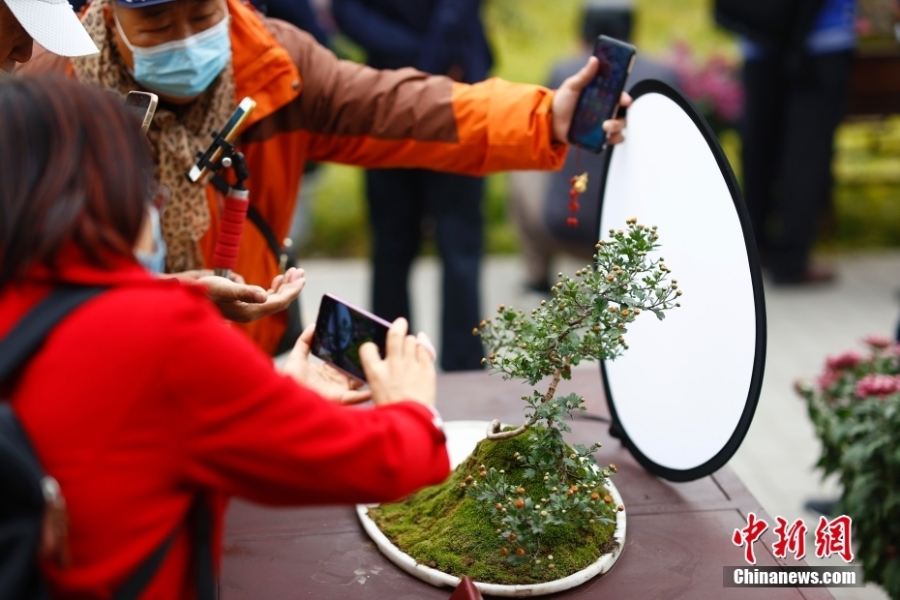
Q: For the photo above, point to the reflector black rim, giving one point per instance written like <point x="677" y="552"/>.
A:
<point x="651" y="86"/>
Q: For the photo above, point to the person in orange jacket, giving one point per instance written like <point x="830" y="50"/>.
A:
<point x="202" y="56"/>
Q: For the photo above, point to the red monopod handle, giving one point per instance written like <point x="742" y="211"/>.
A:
<point x="230" y="228"/>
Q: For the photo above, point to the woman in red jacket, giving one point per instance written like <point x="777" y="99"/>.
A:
<point x="144" y="399"/>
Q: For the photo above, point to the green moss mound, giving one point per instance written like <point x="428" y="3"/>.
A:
<point x="443" y="528"/>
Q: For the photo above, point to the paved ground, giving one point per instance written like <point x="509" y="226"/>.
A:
<point x="777" y="456"/>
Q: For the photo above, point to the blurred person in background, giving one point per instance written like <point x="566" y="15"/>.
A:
<point x="443" y="37"/>
<point x="51" y="22"/>
<point x="795" y="99"/>
<point x="298" y="13"/>
<point x="539" y="200"/>
<point x="141" y="403"/>
<point x="202" y="56"/>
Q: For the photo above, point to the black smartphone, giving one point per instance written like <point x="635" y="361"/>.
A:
<point x="143" y="105"/>
<point x="600" y="98"/>
<point x="341" y="329"/>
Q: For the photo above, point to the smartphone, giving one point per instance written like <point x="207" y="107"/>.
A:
<point x="341" y="329"/>
<point x="599" y="100"/>
<point x="229" y="132"/>
<point x="143" y="105"/>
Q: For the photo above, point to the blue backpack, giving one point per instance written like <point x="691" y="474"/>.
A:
<point x="32" y="508"/>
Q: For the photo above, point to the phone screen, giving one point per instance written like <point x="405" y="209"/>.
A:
<point x="341" y="329"/>
<point x="600" y="97"/>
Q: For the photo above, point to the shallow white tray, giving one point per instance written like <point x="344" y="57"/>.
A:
<point x="462" y="437"/>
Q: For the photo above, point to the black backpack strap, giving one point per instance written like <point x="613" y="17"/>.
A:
<point x="286" y="260"/>
<point x="132" y="588"/>
<point x="257" y="219"/>
<point x="19" y="345"/>
<point x="200" y="519"/>
<point x="201" y="522"/>
<point x="28" y="334"/>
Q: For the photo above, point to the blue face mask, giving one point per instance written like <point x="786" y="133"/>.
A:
<point x="155" y="261"/>
<point x="182" y="68"/>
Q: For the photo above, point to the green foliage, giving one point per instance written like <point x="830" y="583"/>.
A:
<point x="586" y="319"/>
<point x="588" y="315"/>
<point x="445" y="528"/>
<point x="855" y="408"/>
<point x="526" y="506"/>
<point x="574" y="490"/>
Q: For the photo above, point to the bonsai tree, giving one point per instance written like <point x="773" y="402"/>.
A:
<point x="527" y="507"/>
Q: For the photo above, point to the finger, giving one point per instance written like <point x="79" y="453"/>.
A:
<point x="223" y="290"/>
<point x="251" y="294"/>
<point x="425" y="346"/>
<point x="357" y="397"/>
<point x="280" y="299"/>
<point x="235" y="277"/>
<point x="613" y="125"/>
<point x="276" y="283"/>
<point x="616" y="138"/>
<point x="304" y="342"/>
<point x="369" y="358"/>
<point x="294" y="274"/>
<point x="625" y="100"/>
<point x="395" y="337"/>
<point x="409" y="347"/>
<point x="579" y="80"/>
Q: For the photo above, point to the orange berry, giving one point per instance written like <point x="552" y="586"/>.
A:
<point x="607" y="499"/>
<point x="520" y="551"/>
<point x="520" y="490"/>
<point x="595" y="496"/>
<point x="512" y="537"/>
<point x="520" y="503"/>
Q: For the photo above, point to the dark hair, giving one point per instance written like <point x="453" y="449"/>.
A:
<point x="76" y="171"/>
<point x="613" y="19"/>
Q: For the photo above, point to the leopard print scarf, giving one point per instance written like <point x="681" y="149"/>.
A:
<point x="174" y="138"/>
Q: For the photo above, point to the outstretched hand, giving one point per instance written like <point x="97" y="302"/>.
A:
<point x="244" y="303"/>
<point x="322" y="378"/>
<point x="566" y="98"/>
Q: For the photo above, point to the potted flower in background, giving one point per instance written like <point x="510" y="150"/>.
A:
<point x="526" y="507"/>
<point x="713" y="84"/>
<point x="855" y="407"/>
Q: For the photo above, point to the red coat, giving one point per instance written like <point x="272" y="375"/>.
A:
<point x="145" y="396"/>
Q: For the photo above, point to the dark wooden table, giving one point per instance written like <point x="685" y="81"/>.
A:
<point x="677" y="542"/>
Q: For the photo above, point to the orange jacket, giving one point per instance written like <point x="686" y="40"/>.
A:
<point x="312" y="106"/>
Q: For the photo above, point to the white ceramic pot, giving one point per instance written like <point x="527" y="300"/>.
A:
<point x="462" y="437"/>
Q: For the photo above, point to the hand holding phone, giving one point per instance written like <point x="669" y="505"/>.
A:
<point x="341" y="329"/>
<point x="328" y="382"/>
<point x="599" y="99"/>
<point x="406" y="372"/>
<point x="397" y="366"/>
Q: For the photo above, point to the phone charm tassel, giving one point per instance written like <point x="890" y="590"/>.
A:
<point x="579" y="186"/>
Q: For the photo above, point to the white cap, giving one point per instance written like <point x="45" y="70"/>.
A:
<point x="54" y="25"/>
